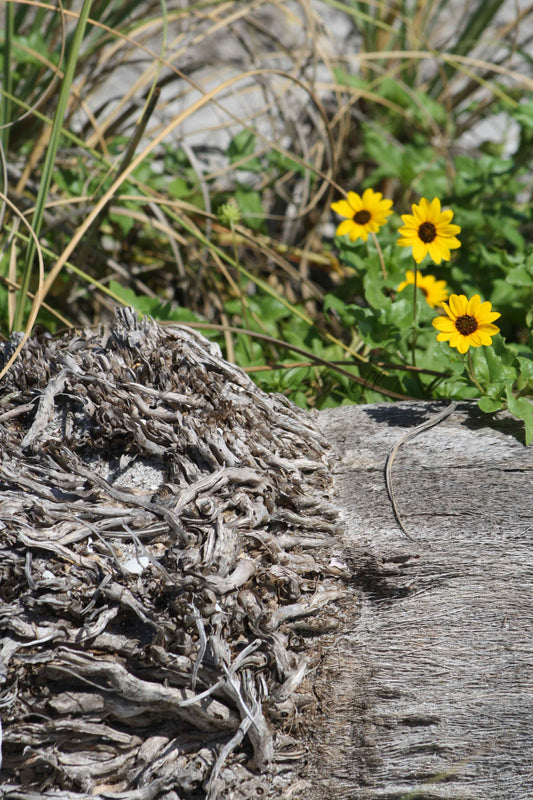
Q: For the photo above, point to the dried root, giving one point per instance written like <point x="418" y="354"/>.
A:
<point x="164" y="525"/>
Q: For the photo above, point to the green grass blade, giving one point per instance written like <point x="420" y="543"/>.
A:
<point x="48" y="167"/>
<point x="7" y="77"/>
<point x="477" y="24"/>
<point x="471" y="34"/>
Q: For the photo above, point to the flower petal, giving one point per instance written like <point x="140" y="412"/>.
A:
<point x="438" y="251"/>
<point x="448" y="230"/>
<point x="485" y="337"/>
<point x="419" y="251"/>
<point x="409" y="233"/>
<point x="452" y="243"/>
<point x="410" y="222"/>
<point x="489" y="329"/>
<point x="355" y="201"/>
<point x="369" y="195"/>
<point x="434" y="210"/>
<point x="457" y="303"/>
<point x="343" y="208"/>
<point x="473" y="305"/>
<point x="485" y="314"/>
<point x="444" y="324"/>
<point x="422" y="210"/>
<point x="446" y="217"/>
<point x="463" y="344"/>
<point x="345" y="227"/>
<point x="475" y="339"/>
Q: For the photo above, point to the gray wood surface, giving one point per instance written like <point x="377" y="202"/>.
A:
<point x="428" y="694"/>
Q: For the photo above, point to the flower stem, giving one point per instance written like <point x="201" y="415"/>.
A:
<point x="380" y="255"/>
<point x="413" y="338"/>
<point x="248" y="343"/>
<point x="472" y="374"/>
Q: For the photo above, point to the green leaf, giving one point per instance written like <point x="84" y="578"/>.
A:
<point x="178" y="188"/>
<point x="522" y="408"/>
<point x="71" y="181"/>
<point x="50" y="157"/>
<point x="495" y="364"/>
<point x="489" y="405"/>
<point x="525" y="379"/>
<point x="153" y="306"/>
<point x="347" y="314"/>
<point x="285" y="164"/>
<point x="251" y="206"/>
<point x="523" y="114"/>
<point x="124" y="223"/>
<point x="241" y="146"/>
<point x="521" y="275"/>
<point x="29" y="48"/>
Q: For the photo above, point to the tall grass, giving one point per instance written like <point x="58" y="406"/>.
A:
<point x="127" y="127"/>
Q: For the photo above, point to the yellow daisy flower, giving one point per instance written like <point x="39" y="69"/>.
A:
<point x="433" y="290"/>
<point x="428" y="230"/>
<point x="364" y="214"/>
<point x="468" y="322"/>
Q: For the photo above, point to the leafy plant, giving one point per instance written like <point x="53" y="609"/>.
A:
<point x="159" y="195"/>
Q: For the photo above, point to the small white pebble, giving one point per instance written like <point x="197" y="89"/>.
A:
<point x="336" y="564"/>
<point x="136" y="566"/>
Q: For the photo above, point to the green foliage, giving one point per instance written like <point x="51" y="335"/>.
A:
<point x="152" y="306"/>
<point x="241" y="151"/>
<point x="495" y="260"/>
<point x="233" y="242"/>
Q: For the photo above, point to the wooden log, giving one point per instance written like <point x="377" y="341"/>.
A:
<point x="429" y="692"/>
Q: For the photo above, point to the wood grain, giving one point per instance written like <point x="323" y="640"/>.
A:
<point x="429" y="691"/>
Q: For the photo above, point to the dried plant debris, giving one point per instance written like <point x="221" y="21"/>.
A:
<point x="165" y="530"/>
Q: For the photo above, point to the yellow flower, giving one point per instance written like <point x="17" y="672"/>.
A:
<point x="428" y="230"/>
<point x="468" y="322"/>
<point x="433" y="290"/>
<point x="364" y="214"/>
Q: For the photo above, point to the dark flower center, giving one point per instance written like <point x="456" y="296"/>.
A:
<point x="466" y="324"/>
<point x="427" y="232"/>
<point x="362" y="217"/>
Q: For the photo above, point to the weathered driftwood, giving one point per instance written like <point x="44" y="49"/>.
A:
<point x="183" y="616"/>
<point x="429" y="693"/>
<point x="164" y="531"/>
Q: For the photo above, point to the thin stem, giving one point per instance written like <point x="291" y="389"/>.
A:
<point x="472" y="374"/>
<point x="380" y="255"/>
<point x="48" y="167"/>
<point x="5" y="109"/>
<point x="248" y="344"/>
<point x="126" y="159"/>
<point x="413" y="338"/>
